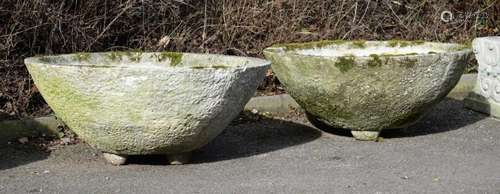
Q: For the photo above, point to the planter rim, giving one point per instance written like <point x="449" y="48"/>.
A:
<point x="102" y="62"/>
<point x="292" y="48"/>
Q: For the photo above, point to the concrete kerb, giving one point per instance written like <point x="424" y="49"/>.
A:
<point x="50" y="125"/>
<point x="36" y="127"/>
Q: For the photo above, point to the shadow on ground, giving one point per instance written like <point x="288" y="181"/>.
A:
<point x="448" y="115"/>
<point x="244" y="140"/>
<point x="14" y="155"/>
<point x="148" y="160"/>
<point x="255" y="138"/>
<point x="238" y="140"/>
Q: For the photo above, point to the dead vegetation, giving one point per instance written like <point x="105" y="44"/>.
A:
<point x="234" y="27"/>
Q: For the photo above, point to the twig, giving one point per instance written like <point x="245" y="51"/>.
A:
<point x="366" y="10"/>
<point x="128" y="6"/>
<point x="204" y="35"/>
<point x="396" y="15"/>
<point x="355" y="12"/>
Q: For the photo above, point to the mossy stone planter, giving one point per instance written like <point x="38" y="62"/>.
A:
<point x="367" y="86"/>
<point x="133" y="103"/>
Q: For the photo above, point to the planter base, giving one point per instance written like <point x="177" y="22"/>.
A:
<point x="366" y="135"/>
<point x="173" y="159"/>
<point x="179" y="159"/>
<point x="481" y="104"/>
<point x="115" y="159"/>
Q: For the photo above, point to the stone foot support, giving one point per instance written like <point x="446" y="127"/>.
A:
<point x="178" y="159"/>
<point x="366" y="135"/>
<point x="115" y="159"/>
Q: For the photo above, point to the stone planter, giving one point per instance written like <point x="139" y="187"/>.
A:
<point x="485" y="97"/>
<point x="133" y="103"/>
<point x="367" y="86"/>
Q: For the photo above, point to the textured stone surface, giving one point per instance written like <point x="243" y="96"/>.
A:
<point x="485" y="97"/>
<point x="368" y="86"/>
<point x="129" y="103"/>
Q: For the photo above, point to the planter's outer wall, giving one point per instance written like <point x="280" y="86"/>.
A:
<point x="485" y="97"/>
<point x="128" y="110"/>
<point x="12" y="129"/>
<point x="368" y="94"/>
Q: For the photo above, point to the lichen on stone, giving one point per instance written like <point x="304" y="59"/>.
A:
<point x="398" y="55"/>
<point x="81" y="56"/>
<point x="134" y="56"/>
<point x="409" y="62"/>
<point x="115" y="55"/>
<point x="309" y="45"/>
<point x="358" y="44"/>
<point x="220" y="66"/>
<point x="61" y="93"/>
<point x="346" y="63"/>
<point x="375" y="61"/>
<point x="322" y="43"/>
<point x="404" y="43"/>
<point x="460" y="47"/>
<point x="216" y="66"/>
<point x="174" y="57"/>
<point x="45" y="59"/>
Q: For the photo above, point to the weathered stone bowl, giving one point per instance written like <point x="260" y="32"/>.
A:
<point x="133" y="103"/>
<point x="367" y="86"/>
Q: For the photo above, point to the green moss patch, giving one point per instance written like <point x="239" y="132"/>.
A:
<point x="404" y="43"/>
<point x="409" y="62"/>
<point x="62" y="95"/>
<point x="338" y="113"/>
<point x="134" y="56"/>
<point x="460" y="47"/>
<point x="218" y="66"/>
<point x="45" y="59"/>
<point x="81" y="56"/>
<point x="344" y="64"/>
<point x="375" y="61"/>
<point x="398" y="55"/>
<point x="322" y="43"/>
<point x="198" y="67"/>
<point x="358" y="44"/>
<point x="115" y="56"/>
<point x="308" y="45"/>
<point x="174" y="57"/>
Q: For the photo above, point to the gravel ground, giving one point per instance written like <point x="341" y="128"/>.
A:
<point x="452" y="150"/>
